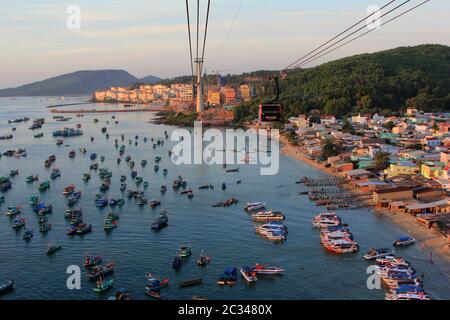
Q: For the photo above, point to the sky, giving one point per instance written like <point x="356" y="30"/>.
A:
<point x="149" y="37"/>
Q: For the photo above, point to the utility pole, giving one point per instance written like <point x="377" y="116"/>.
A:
<point x="199" y="86"/>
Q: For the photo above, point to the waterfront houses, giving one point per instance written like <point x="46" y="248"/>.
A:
<point x="399" y="163"/>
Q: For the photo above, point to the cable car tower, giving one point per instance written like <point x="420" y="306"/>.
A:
<point x="197" y="81"/>
<point x="200" y="106"/>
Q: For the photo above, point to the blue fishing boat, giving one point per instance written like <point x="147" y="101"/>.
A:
<point x="404" y="241"/>
<point x="101" y="203"/>
<point x="229" y="277"/>
<point x="28" y="234"/>
<point x="18" y="222"/>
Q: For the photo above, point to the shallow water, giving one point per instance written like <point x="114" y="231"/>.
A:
<point x="227" y="234"/>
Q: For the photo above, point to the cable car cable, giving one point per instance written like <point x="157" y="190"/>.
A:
<point x="340" y="34"/>
<point x="190" y="38"/>
<point x="354" y="32"/>
<point x="206" y="32"/>
<point x="365" y="33"/>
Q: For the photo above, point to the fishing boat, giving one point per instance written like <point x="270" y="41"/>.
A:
<point x="45" y="227"/>
<point x="249" y="274"/>
<point x="42" y="209"/>
<point x="90" y="261"/>
<point x="2" y="199"/>
<point x="69" y="189"/>
<point x="83" y="229"/>
<point x="18" y="222"/>
<point x="204" y="259"/>
<point x="144" y="163"/>
<point x="157" y="159"/>
<point x="404" y="241"/>
<point x="13" y="173"/>
<point x="121" y="295"/>
<point x="52" y="247"/>
<point x="160" y="222"/>
<point x="44" y="186"/>
<point x="27" y="235"/>
<point x="341" y="246"/>
<point x="101" y="203"/>
<point x="86" y="177"/>
<point x="190" y="195"/>
<point x="199" y="298"/>
<point x="156" y="168"/>
<point x="153" y="294"/>
<point x="229" y="277"/>
<point x="102" y="286"/>
<point x="186" y="191"/>
<point x="254" y="207"/>
<point x="374" y="254"/>
<point x="154" y="203"/>
<point x="6" y="286"/>
<point x="224" y="186"/>
<point x="14" y="210"/>
<point x="232" y="170"/>
<point x="184" y="252"/>
<point x="72" y="154"/>
<point x="31" y="179"/>
<point x="123" y="187"/>
<point x="190" y="283"/>
<point x="154" y="283"/>
<point x="56" y="173"/>
<point x="176" y="264"/>
<point x="109" y="224"/>
<point x="392" y="261"/>
<point x="101" y="271"/>
<point x="268" y="216"/>
<point x="163" y="189"/>
<point x="261" y="269"/>
<point x="165" y="172"/>
<point x="146" y="184"/>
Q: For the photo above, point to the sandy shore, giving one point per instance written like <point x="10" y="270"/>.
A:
<point x="430" y="240"/>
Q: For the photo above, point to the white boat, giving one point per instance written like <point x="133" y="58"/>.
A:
<point x="374" y="254"/>
<point x="249" y="274"/>
<point x="267" y="270"/>
<point x="268" y="216"/>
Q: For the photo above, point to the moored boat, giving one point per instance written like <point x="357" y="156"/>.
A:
<point x="374" y="254"/>
<point x="52" y="247"/>
<point x="6" y="286"/>
<point x="404" y="241"/>
<point x="248" y="273"/>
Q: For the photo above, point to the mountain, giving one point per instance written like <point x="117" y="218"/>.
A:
<point x="385" y="82"/>
<point x="150" y="80"/>
<point x="77" y="83"/>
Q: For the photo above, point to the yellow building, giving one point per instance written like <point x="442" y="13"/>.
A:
<point x="214" y="97"/>
<point x="430" y="171"/>
<point x="401" y="168"/>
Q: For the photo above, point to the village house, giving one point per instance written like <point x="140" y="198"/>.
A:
<point x="392" y="194"/>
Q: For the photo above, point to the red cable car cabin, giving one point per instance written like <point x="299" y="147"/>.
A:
<point x="270" y="112"/>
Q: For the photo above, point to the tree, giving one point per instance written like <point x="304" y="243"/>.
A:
<point x="329" y="149"/>
<point x="347" y="127"/>
<point x="389" y="125"/>
<point x="381" y="161"/>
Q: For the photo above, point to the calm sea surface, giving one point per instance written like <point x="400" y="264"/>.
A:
<point x="227" y="234"/>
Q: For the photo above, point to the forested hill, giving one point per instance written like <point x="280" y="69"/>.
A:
<point x="384" y="82"/>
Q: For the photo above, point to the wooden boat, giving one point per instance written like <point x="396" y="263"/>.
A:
<point x="84" y="229"/>
<point x="153" y="294"/>
<point x="44" y="186"/>
<point x="31" y="179"/>
<point x="6" y="286"/>
<point x="53" y="247"/>
<point x="2" y="199"/>
<point x="254" y="207"/>
<point x="69" y="189"/>
<point x="176" y="264"/>
<point x="121" y="295"/>
<point x="232" y="170"/>
<point x="154" y="203"/>
<point x="90" y="261"/>
<point x="204" y="259"/>
<point x="45" y="227"/>
<point x="102" y="286"/>
<point x="12" y="211"/>
<point x="157" y="159"/>
<point x="18" y="222"/>
<point x="190" y="283"/>
<point x="199" y="298"/>
<point x="155" y="284"/>
<point x="163" y="189"/>
<point x="28" y="234"/>
<point x="184" y="252"/>
<point x="160" y="222"/>
<point x="101" y="271"/>
<point x="109" y="225"/>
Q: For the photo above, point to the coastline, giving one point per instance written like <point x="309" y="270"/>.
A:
<point x="430" y="240"/>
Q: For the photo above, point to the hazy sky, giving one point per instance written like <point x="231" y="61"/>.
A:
<point x="150" y="36"/>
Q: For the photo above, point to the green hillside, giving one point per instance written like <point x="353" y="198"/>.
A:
<point x="384" y="82"/>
